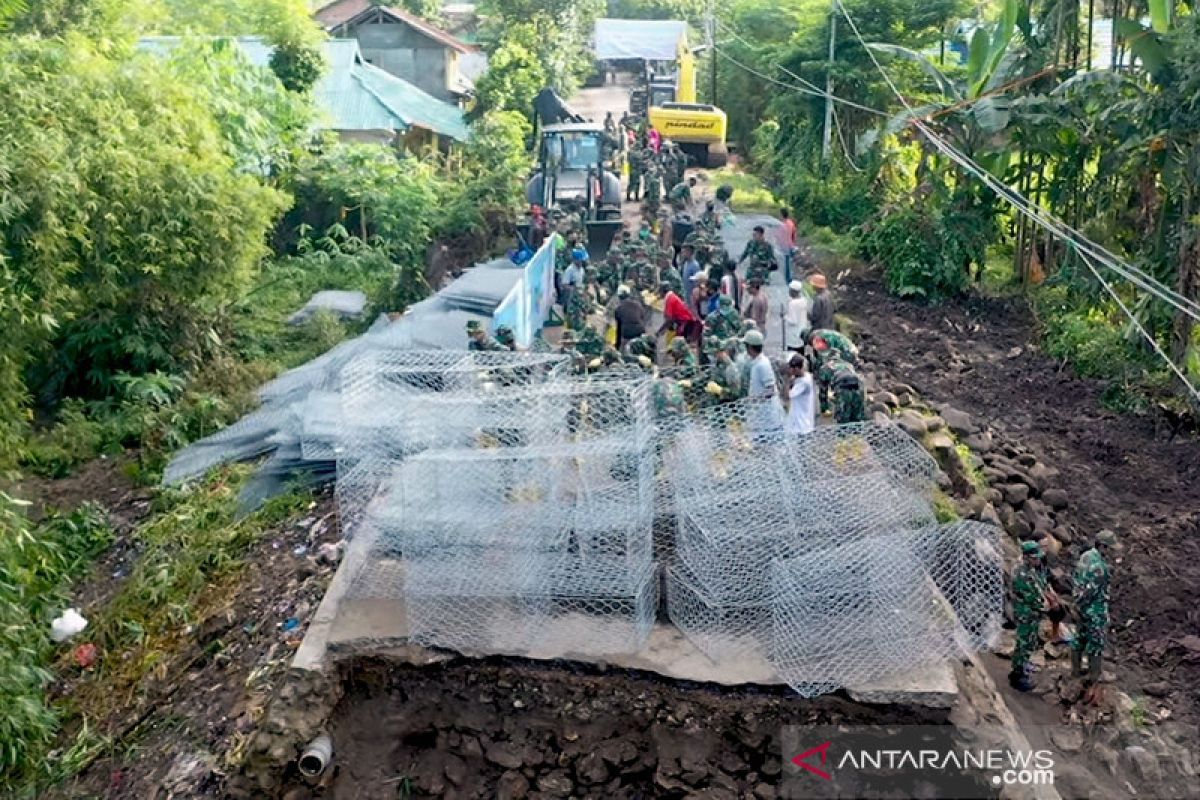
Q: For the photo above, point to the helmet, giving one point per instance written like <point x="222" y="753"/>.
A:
<point x="504" y="335"/>
<point x="1031" y="549"/>
<point x="753" y="338"/>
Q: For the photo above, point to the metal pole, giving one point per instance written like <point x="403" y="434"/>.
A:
<point x="1091" y="22"/>
<point x="712" y="47"/>
<point x="826" y="139"/>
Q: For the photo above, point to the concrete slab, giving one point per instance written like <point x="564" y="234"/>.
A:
<point x="345" y="626"/>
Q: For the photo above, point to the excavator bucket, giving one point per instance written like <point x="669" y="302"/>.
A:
<point x="601" y="233"/>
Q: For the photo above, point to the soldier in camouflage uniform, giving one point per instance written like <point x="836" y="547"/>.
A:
<point x="725" y="322"/>
<point x="579" y="306"/>
<point x="505" y="336"/>
<point x="589" y="342"/>
<point x="719" y="377"/>
<point x="654" y="188"/>
<point x="1030" y="599"/>
<point x="567" y="345"/>
<point x="1091" y="580"/>
<point x="644" y="345"/>
<point x="827" y="344"/>
<point x="636" y="166"/>
<point x="668" y="398"/>
<point x="480" y="341"/>
<point x="849" y="402"/>
<point x="681" y="194"/>
<point x="608" y="275"/>
<point x="759" y="256"/>
<point x="669" y="279"/>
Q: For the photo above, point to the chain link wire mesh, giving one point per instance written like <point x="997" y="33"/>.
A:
<point x="872" y="608"/>
<point x="517" y="508"/>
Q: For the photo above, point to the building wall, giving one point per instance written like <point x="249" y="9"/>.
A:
<point x="400" y="50"/>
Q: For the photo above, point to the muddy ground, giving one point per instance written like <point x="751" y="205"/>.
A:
<point x="1121" y="471"/>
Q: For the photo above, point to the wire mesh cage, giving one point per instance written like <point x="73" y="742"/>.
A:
<point x="871" y="608"/>
<point x="726" y="632"/>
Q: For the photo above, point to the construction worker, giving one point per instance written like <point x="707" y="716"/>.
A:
<point x="849" y="400"/>
<point x="589" y="342"/>
<point x="644" y="345"/>
<point x="681" y="194"/>
<point x="725" y="322"/>
<point x="687" y="367"/>
<point x="1091" y="596"/>
<point x="479" y="340"/>
<point x="668" y="397"/>
<point x="1031" y="596"/>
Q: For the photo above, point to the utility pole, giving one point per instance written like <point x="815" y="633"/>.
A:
<point x="712" y="50"/>
<point x="827" y="136"/>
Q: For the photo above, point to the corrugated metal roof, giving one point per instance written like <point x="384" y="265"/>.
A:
<point x="353" y="95"/>
<point x="346" y="12"/>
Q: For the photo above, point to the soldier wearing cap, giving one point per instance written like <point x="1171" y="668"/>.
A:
<point x="567" y="345"/>
<point x="1091" y="596"/>
<point x="479" y="339"/>
<point x="1031" y="596"/>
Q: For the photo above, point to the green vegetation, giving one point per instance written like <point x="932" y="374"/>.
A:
<point x="749" y="192"/>
<point x="944" y="509"/>
<point x="191" y="543"/>
<point x="160" y="218"/>
<point x="1109" y="152"/>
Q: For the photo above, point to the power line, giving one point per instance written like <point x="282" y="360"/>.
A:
<point x="963" y="160"/>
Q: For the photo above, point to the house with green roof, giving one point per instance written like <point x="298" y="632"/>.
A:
<point x="357" y="100"/>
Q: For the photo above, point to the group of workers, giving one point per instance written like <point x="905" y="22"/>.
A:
<point x="1033" y="597"/>
<point x="656" y="165"/>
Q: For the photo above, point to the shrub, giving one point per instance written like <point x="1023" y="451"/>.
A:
<point x="913" y="249"/>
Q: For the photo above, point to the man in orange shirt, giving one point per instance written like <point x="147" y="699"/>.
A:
<point x="787" y="242"/>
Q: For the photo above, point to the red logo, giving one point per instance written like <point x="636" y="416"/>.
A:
<point x="823" y="751"/>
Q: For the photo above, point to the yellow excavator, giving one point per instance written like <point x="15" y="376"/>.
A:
<point x="672" y="110"/>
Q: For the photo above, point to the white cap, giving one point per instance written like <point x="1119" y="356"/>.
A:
<point x="796" y="286"/>
<point x="622" y="291"/>
<point x="753" y="338"/>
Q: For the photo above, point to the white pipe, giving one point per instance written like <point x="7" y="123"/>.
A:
<point x="317" y="756"/>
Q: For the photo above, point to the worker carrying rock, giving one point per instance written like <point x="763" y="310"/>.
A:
<point x="1091" y="596"/>
<point x="1031" y="597"/>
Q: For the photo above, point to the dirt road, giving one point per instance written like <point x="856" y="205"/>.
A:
<point x="1120" y="474"/>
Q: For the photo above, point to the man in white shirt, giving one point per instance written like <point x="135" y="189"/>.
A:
<point x="571" y="281"/>
<point x="766" y="419"/>
<point x="801" y="398"/>
<point x="795" y="317"/>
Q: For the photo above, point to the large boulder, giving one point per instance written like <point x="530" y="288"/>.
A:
<point x="959" y="421"/>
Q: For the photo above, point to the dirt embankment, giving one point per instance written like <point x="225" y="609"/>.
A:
<point x="508" y="729"/>
<point x="1120" y="471"/>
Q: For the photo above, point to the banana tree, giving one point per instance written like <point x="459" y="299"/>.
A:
<point x="973" y="113"/>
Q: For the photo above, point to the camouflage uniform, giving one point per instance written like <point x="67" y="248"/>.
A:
<point x="760" y="256"/>
<point x="680" y="196"/>
<point x="590" y="343"/>
<point x="1028" y="601"/>
<point x="670" y="276"/>
<point x="636" y="167"/>
<point x="849" y="404"/>
<point x="579" y="305"/>
<point x="643" y="345"/>
<point x="654" y="188"/>
<point x="725" y="322"/>
<point x="668" y="398"/>
<point x="567" y="347"/>
<point x="722" y="372"/>
<point x="608" y="274"/>
<point x="838" y="342"/>
<point x="1092" y="575"/>
<point x="483" y="344"/>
